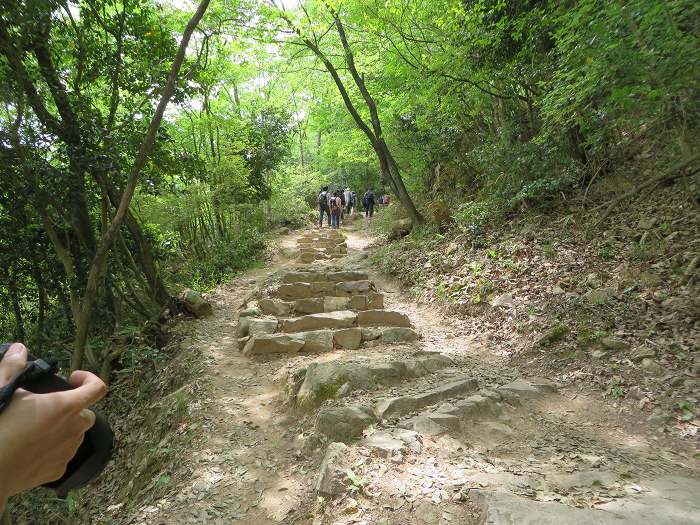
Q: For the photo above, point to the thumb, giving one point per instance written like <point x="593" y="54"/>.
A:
<point x="13" y="362"/>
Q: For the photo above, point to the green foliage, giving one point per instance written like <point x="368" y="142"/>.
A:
<point x="473" y="216"/>
<point x="226" y="260"/>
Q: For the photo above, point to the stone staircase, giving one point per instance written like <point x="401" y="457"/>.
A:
<point x="321" y="310"/>
<point x="321" y="245"/>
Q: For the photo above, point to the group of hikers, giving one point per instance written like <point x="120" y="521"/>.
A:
<point x="339" y="203"/>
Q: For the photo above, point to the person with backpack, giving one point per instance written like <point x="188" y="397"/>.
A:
<point x="368" y="201"/>
<point x="335" y="207"/>
<point x="323" y="206"/>
<point x="353" y="202"/>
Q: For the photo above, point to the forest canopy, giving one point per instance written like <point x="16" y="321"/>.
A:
<point x="461" y="109"/>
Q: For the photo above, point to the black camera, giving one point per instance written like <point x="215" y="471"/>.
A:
<point x="96" y="449"/>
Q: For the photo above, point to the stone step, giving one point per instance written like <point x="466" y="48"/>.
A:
<point x="260" y="341"/>
<point x="335" y="248"/>
<point x="346" y="319"/>
<point x="404" y="405"/>
<point x="311" y="256"/>
<point x="454" y="416"/>
<point x="312" y="341"/>
<point x="334" y="320"/>
<point x="383" y="318"/>
<point x="334" y="277"/>
<point x="314" y="305"/>
<point x="310" y="386"/>
<point x="299" y="290"/>
<point x="316" y="242"/>
<point x="486" y="404"/>
<point x="317" y="305"/>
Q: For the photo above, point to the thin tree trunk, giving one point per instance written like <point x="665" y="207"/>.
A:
<point x="100" y="259"/>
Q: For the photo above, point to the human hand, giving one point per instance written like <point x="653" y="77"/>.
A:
<point x="40" y="433"/>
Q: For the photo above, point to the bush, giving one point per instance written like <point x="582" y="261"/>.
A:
<point x="226" y="260"/>
<point x="472" y="216"/>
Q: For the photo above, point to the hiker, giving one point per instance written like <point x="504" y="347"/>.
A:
<point x="40" y="433"/>
<point x="385" y="199"/>
<point x="323" y="208"/>
<point x="353" y="202"/>
<point x="341" y="194"/>
<point x="335" y="207"/>
<point x="348" y="201"/>
<point x="368" y="201"/>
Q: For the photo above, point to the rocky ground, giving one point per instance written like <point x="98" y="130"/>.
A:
<point x="337" y="398"/>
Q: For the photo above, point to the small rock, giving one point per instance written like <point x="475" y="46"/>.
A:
<point x="332" y="478"/>
<point x="652" y="367"/>
<point x="195" y="303"/>
<point x="598" y="354"/>
<point x="344" y="423"/>
<point x="503" y="300"/>
<point x="556" y="290"/>
<point x="426" y="513"/>
<point x="636" y="392"/>
<point x="400" y="228"/>
<point x="642" y="353"/>
<point x="250" y="312"/>
<point x="646" y="223"/>
<point x="553" y="335"/>
<point x="384" y="444"/>
<point x="613" y="343"/>
<point x="658" y="417"/>
<point x="677" y="380"/>
<point x="600" y="295"/>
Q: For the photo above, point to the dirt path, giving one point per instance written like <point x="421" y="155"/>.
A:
<point x="501" y="450"/>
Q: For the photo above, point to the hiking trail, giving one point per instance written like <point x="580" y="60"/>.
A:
<point x="336" y="399"/>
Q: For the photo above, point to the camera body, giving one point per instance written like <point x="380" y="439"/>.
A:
<point x="96" y="448"/>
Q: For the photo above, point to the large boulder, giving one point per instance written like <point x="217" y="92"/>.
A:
<point x="323" y="381"/>
<point x="530" y="388"/>
<point x="332" y="320"/>
<point x="400" y="228"/>
<point x="195" y="303"/>
<point x="344" y="423"/>
<point x="400" y="406"/>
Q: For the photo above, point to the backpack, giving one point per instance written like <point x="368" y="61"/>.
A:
<point x="369" y="198"/>
<point x="334" y="203"/>
<point x="323" y="199"/>
<point x="342" y="199"/>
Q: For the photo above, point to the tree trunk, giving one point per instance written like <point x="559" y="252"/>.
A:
<point x="100" y="259"/>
